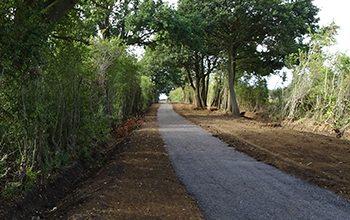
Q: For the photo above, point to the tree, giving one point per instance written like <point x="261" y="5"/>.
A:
<point x="60" y="90"/>
<point x="104" y="53"/>
<point x="265" y="30"/>
<point x="164" y="73"/>
<point x="52" y="10"/>
<point x="188" y="39"/>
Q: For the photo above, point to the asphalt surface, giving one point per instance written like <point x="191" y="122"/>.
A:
<point x="230" y="185"/>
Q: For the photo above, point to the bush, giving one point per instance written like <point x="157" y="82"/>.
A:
<point x="320" y="88"/>
<point x="252" y="92"/>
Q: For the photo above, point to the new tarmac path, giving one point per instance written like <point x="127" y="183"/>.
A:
<point x="230" y="185"/>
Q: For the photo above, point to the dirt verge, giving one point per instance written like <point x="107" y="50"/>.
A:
<point x="319" y="159"/>
<point x="136" y="181"/>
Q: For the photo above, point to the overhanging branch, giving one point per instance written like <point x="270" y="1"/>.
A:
<point x="71" y="39"/>
<point x="58" y="9"/>
<point x="101" y="6"/>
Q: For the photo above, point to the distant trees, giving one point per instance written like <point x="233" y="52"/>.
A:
<point x="158" y="64"/>
<point x="255" y="36"/>
<point x="184" y="41"/>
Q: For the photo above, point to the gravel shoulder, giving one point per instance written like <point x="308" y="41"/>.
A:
<point x="230" y="185"/>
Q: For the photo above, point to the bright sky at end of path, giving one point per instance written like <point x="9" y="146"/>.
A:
<point x="335" y="10"/>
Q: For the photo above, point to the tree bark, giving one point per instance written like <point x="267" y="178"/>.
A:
<point x="198" y="100"/>
<point x="183" y="94"/>
<point x="207" y="86"/>
<point x="231" y="67"/>
<point x="58" y="9"/>
<point x="156" y="97"/>
<point x="196" y="91"/>
<point x="204" y="93"/>
<point x="217" y="96"/>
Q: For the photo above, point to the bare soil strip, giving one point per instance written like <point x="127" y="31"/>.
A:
<point x="323" y="160"/>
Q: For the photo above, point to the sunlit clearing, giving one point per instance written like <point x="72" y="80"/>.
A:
<point x="163" y="96"/>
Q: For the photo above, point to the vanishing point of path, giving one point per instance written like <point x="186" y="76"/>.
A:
<point x="230" y="185"/>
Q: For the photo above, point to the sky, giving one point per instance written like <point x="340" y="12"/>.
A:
<point x="330" y="10"/>
<point x="337" y="10"/>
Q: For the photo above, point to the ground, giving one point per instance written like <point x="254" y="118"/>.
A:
<point x="317" y="157"/>
<point x="136" y="180"/>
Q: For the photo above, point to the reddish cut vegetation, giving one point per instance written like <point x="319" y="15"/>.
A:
<point x="124" y="129"/>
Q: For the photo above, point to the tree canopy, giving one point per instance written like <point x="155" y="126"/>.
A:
<point x="68" y="79"/>
<point x="257" y="33"/>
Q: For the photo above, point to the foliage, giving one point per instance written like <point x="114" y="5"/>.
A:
<point x="147" y="88"/>
<point x="183" y="94"/>
<point x="61" y="91"/>
<point x="127" y="88"/>
<point x="159" y="66"/>
<point x="176" y="95"/>
<point x="320" y="86"/>
<point x="252" y="92"/>
<point x="276" y="102"/>
<point x="63" y="88"/>
<point x="255" y="36"/>
<point x="135" y="22"/>
<point x="189" y="41"/>
<point x="218" y="91"/>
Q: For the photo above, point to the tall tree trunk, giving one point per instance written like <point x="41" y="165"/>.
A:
<point x="197" y="101"/>
<point x="183" y="94"/>
<point x="217" y="96"/>
<point x="219" y="102"/>
<point x="201" y="71"/>
<point x="207" y="86"/>
<point x="224" y="98"/>
<point x="231" y="67"/>
<point x="199" y="76"/>
<point x="156" y="97"/>
<point x="229" y="101"/>
<point x="203" y="92"/>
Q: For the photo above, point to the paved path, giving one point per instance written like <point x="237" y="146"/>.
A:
<point x="230" y="185"/>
